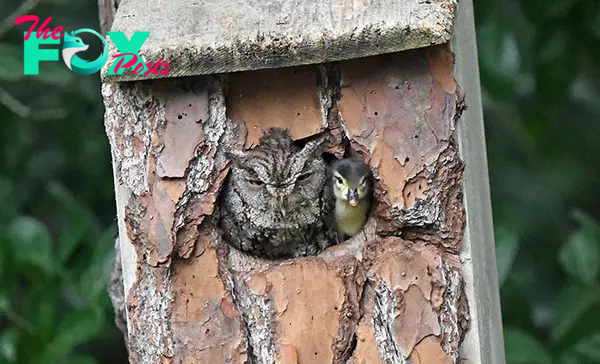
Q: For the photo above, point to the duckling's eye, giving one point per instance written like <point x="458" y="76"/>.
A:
<point x="338" y="180"/>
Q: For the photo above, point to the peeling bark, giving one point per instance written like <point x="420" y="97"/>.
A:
<point x="392" y="294"/>
<point x="205" y="320"/>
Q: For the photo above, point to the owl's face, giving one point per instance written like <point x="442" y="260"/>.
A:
<point x="280" y="182"/>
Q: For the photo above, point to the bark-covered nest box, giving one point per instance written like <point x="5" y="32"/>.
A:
<point x="377" y="77"/>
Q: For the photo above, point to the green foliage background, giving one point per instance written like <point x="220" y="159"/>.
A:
<point x="540" y="77"/>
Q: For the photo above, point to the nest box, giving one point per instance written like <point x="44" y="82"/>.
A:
<point x="385" y="78"/>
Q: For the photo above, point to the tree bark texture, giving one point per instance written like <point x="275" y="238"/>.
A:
<point x="392" y="294"/>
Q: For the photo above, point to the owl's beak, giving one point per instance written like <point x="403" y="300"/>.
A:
<point x="282" y="205"/>
<point x="353" y="197"/>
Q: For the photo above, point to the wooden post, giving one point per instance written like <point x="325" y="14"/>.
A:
<point x="484" y="342"/>
<point x="421" y="276"/>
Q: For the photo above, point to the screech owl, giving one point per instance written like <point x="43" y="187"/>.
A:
<point x="277" y="202"/>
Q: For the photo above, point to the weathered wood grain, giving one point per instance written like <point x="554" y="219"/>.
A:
<point x="484" y="342"/>
<point x="205" y="37"/>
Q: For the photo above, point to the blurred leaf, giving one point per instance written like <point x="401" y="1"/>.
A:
<point x="79" y="219"/>
<point x="13" y="144"/>
<point x="558" y="8"/>
<point x="507" y="246"/>
<point x="576" y="314"/>
<point x="95" y="278"/>
<point x="11" y="62"/>
<point x="499" y="59"/>
<point x="557" y="63"/>
<point x="77" y="328"/>
<point x="4" y="302"/>
<point x="580" y="256"/>
<point x="8" y="208"/>
<point x="516" y="307"/>
<point x="542" y="11"/>
<point x="523" y="348"/>
<point x="8" y="345"/>
<point x="588" y="349"/>
<point x="45" y="164"/>
<point x="54" y="74"/>
<point x="43" y="305"/>
<point x="586" y="222"/>
<point x="31" y="242"/>
<point x="6" y="274"/>
<point x="58" y="307"/>
<point x="6" y="260"/>
<point x="47" y="358"/>
<point x="553" y="46"/>
<point x="88" y="87"/>
<point x="81" y="360"/>
<point x="594" y="24"/>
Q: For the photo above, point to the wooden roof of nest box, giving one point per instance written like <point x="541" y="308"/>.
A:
<point x="203" y="37"/>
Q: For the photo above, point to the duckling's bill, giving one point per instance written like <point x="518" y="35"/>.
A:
<point x="353" y="197"/>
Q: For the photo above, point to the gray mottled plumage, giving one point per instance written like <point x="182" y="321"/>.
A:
<point x="277" y="202"/>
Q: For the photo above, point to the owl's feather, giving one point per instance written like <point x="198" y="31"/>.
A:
<point x="277" y="202"/>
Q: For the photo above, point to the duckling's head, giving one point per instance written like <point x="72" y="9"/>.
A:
<point x="351" y="180"/>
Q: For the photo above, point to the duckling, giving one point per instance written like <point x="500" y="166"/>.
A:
<point x="352" y="187"/>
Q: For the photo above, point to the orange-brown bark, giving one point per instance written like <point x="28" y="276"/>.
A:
<point x="391" y="295"/>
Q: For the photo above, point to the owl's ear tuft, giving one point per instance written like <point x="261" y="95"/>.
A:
<point x="237" y="156"/>
<point x="313" y="147"/>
